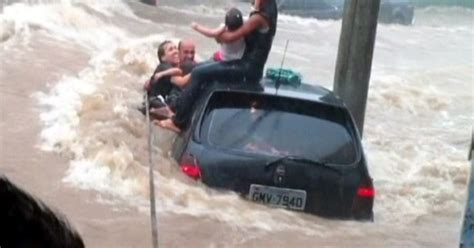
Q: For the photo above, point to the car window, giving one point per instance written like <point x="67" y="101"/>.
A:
<point x="280" y="127"/>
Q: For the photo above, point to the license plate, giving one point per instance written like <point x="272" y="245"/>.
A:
<point x="278" y="197"/>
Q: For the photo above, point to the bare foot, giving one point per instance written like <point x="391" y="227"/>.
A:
<point x="168" y="124"/>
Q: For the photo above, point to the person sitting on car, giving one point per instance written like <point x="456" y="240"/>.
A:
<point x="258" y="32"/>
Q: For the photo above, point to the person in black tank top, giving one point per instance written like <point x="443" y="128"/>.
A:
<point x="258" y="32"/>
<point x="259" y="42"/>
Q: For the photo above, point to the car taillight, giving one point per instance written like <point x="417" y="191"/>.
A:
<point x="364" y="200"/>
<point x="366" y="191"/>
<point x="190" y="166"/>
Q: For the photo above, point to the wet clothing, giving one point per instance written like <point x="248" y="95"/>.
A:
<point x="163" y="86"/>
<point x="164" y="90"/>
<point x="173" y="97"/>
<point x="249" y="69"/>
<point x="259" y="42"/>
<point x="232" y="71"/>
<point x="232" y="51"/>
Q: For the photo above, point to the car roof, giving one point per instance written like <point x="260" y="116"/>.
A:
<point x="305" y="91"/>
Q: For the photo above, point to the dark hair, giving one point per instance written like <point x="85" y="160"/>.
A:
<point x="26" y="222"/>
<point x="161" y="49"/>
<point x="233" y="19"/>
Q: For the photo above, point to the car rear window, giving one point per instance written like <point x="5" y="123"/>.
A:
<point x="273" y="125"/>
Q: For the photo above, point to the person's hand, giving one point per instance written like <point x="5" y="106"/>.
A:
<point x="147" y="85"/>
<point x="194" y="25"/>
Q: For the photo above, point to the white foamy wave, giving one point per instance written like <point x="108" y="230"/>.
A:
<point x="7" y="30"/>
<point x="443" y="16"/>
<point x="87" y="175"/>
<point x="418" y="170"/>
<point x="66" y="20"/>
<point x="396" y="92"/>
<point x="61" y="119"/>
<point x="80" y="117"/>
<point x="306" y="22"/>
<point x="198" y="10"/>
<point x="410" y="184"/>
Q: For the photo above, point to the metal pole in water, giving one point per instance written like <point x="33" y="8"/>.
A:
<point x="277" y="83"/>
<point x="154" y="222"/>
<point x="354" y="58"/>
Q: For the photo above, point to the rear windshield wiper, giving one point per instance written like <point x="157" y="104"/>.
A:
<point x="299" y="159"/>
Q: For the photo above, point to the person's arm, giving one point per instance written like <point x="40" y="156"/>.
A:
<point x="181" y="81"/>
<point x="209" y="32"/>
<point x="158" y="75"/>
<point x="169" y="72"/>
<point x="254" y="22"/>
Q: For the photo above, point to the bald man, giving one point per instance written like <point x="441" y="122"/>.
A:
<point x="187" y="51"/>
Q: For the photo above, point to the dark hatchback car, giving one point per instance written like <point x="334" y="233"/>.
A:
<point x="298" y="149"/>
<point x="391" y="11"/>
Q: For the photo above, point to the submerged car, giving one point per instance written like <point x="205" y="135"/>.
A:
<point x="295" y="148"/>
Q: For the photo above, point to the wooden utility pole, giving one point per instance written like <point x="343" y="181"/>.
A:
<point x="354" y="59"/>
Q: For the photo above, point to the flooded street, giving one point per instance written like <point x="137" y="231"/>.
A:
<point x="75" y="71"/>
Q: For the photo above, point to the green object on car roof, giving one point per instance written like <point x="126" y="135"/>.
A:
<point x="284" y="76"/>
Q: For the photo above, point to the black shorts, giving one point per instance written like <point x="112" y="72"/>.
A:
<point x="173" y="97"/>
<point x="156" y="102"/>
